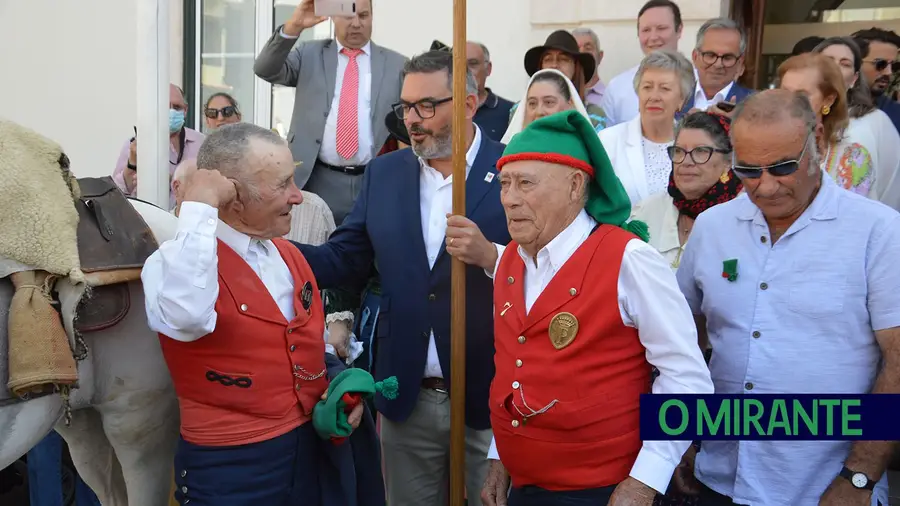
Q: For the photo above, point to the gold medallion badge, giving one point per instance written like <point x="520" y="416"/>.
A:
<point x="563" y="328"/>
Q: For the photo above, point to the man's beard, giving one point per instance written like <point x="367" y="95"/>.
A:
<point x="441" y="147"/>
<point x="878" y="92"/>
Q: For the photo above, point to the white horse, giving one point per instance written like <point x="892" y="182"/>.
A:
<point x="124" y="426"/>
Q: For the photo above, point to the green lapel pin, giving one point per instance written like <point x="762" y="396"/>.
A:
<point x="729" y="269"/>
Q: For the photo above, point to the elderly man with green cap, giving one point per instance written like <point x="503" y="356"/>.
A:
<point x="583" y="309"/>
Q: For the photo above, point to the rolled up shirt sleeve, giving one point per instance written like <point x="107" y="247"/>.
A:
<point x="651" y="302"/>
<point x="180" y="279"/>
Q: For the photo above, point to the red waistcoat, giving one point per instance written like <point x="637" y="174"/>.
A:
<point x="587" y="435"/>
<point x="256" y="376"/>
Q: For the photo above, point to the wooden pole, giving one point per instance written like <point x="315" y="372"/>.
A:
<point x="458" y="270"/>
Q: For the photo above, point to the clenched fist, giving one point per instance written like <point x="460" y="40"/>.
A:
<point x="210" y="187"/>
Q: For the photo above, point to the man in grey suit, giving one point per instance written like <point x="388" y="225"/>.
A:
<point x="332" y="135"/>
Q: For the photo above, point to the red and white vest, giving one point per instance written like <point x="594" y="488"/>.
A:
<point x="586" y="394"/>
<point x="256" y="376"/>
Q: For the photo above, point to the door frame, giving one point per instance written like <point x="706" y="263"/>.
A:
<point x="751" y="16"/>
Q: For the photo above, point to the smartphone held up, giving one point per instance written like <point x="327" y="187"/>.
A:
<point x="339" y="8"/>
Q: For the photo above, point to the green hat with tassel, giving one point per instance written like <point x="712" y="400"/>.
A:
<point x="568" y="138"/>
<point x="345" y="391"/>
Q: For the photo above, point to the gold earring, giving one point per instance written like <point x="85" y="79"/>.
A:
<point x="724" y="177"/>
<point x="826" y="110"/>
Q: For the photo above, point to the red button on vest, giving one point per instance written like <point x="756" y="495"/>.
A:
<point x="256" y="376"/>
<point x="583" y="398"/>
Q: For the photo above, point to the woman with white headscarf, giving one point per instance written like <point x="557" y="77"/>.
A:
<point x="549" y="91"/>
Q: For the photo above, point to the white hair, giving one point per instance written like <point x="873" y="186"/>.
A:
<point x="667" y="59"/>
<point x="590" y="33"/>
<point x="721" y="24"/>
<point x="184" y="168"/>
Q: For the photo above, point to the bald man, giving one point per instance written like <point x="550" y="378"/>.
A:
<point x="179" y="179"/>
<point x="795" y="315"/>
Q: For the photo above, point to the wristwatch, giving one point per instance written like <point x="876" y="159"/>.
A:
<point x="131" y="166"/>
<point x="858" y="480"/>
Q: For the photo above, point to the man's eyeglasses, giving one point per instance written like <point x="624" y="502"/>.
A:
<point x="425" y="109"/>
<point x="881" y="64"/>
<point x="710" y="58"/>
<point x="778" y="170"/>
<point x="700" y="154"/>
<point x="226" y="112"/>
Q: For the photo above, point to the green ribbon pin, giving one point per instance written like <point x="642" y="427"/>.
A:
<point x="729" y="269"/>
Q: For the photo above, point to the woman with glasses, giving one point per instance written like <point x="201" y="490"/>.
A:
<point x="843" y="158"/>
<point x="637" y="148"/>
<point x="700" y="177"/>
<point x="548" y="92"/>
<point x="869" y="126"/>
<point x="221" y="109"/>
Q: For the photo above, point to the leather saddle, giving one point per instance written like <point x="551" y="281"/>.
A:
<point x="114" y="241"/>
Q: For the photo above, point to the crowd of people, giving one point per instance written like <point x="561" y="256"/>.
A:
<point x="599" y="219"/>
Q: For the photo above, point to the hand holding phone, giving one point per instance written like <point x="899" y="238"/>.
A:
<point x="335" y="8"/>
<point x="304" y="17"/>
<point x="726" y="106"/>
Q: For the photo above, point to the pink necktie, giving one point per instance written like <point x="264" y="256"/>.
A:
<point x="348" y="120"/>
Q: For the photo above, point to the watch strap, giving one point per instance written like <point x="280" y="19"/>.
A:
<point x="131" y="166"/>
<point x="848" y="474"/>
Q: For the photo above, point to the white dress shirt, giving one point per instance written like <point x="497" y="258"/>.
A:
<point x="181" y="281"/>
<point x="650" y="301"/>
<point x="328" y="152"/>
<point x="620" y="102"/>
<point x="700" y="100"/>
<point x="435" y="203"/>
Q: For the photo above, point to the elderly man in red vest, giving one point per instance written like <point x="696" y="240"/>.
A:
<point x="241" y="327"/>
<point x="583" y="309"/>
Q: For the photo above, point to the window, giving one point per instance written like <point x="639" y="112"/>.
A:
<point x="227" y="52"/>
<point x="222" y="40"/>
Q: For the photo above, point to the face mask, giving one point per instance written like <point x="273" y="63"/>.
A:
<point x="176" y="120"/>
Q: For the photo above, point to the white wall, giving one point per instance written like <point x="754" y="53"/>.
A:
<point x="510" y="27"/>
<point x="69" y="73"/>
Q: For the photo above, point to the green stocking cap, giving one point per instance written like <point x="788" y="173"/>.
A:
<point x="329" y="417"/>
<point x="568" y="138"/>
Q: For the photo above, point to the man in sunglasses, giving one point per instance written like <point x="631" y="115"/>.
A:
<point x="796" y="284"/>
<point x="880" y="62"/>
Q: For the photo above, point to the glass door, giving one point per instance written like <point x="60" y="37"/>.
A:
<point x="227" y="49"/>
<point x="228" y="36"/>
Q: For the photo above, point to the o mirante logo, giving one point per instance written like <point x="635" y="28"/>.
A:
<point x="772" y="417"/>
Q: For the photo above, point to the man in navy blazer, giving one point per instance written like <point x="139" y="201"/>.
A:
<point x="718" y="61"/>
<point x="399" y="222"/>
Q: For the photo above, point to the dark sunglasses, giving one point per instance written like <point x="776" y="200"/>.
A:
<point x="700" y="154"/>
<point x="880" y="64"/>
<point x="226" y="112"/>
<point x="778" y="170"/>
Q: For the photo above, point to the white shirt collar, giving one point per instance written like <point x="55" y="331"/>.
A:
<point x="563" y="246"/>
<point x="367" y="49"/>
<point x="700" y="95"/>
<point x="238" y="241"/>
<point x="471" y="154"/>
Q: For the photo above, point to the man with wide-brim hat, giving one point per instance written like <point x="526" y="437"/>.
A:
<point x="583" y="308"/>
<point x="560" y="51"/>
